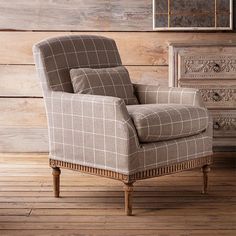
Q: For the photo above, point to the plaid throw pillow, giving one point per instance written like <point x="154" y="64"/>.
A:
<point x="113" y="81"/>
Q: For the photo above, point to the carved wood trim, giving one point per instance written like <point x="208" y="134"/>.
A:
<point x="170" y="169"/>
<point x="209" y="64"/>
<point x="159" y="171"/>
<point x="224" y="123"/>
<point x="214" y="95"/>
<point x="218" y="95"/>
<point x="212" y="66"/>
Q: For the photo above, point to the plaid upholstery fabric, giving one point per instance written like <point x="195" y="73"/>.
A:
<point x="97" y="131"/>
<point x="58" y="55"/>
<point x="155" y="122"/>
<point x="150" y="94"/>
<point x="113" y="82"/>
<point x="91" y="130"/>
<point x="163" y="153"/>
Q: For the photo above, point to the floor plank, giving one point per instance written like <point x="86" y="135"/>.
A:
<point x="169" y="205"/>
<point x="146" y="232"/>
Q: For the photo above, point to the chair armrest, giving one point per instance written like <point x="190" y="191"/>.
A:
<point x="148" y="94"/>
<point x="91" y="128"/>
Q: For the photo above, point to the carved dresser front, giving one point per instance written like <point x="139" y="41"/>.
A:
<point x="211" y="68"/>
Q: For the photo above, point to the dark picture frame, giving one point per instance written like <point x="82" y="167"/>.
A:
<point x="189" y="15"/>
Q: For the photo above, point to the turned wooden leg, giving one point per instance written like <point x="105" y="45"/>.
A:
<point x="56" y="181"/>
<point x="205" y="170"/>
<point x="128" y="189"/>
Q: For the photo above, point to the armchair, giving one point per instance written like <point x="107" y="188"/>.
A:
<point x="103" y="136"/>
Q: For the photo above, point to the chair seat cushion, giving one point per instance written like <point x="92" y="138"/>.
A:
<point x="156" y="122"/>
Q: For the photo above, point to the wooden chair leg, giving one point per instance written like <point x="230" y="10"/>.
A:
<point x="56" y="181"/>
<point x="205" y="170"/>
<point x="128" y="189"/>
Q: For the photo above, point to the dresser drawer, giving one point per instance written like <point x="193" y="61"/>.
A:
<point x="224" y="123"/>
<point x="214" y="95"/>
<point x="207" y="66"/>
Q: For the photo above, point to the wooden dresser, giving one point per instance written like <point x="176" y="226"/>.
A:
<point x="211" y="68"/>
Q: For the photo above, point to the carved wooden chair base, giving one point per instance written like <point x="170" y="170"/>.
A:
<point x="128" y="181"/>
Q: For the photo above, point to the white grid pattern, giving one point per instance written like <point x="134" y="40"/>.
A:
<point x="105" y="136"/>
<point x="149" y="120"/>
<point x="152" y="94"/>
<point x="113" y="82"/>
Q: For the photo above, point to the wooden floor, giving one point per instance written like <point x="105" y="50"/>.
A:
<point x="90" y="205"/>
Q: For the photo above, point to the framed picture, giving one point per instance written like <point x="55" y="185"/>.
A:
<point x="192" y="15"/>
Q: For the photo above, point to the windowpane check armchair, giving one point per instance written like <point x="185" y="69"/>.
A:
<point x="100" y="135"/>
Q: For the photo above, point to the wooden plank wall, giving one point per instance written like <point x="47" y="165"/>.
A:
<point x="144" y="52"/>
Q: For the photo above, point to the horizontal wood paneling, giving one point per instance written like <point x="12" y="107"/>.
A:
<point x="77" y="15"/>
<point x="21" y="80"/>
<point x="149" y="74"/>
<point x="27" y="112"/>
<point x="23" y="139"/>
<point x="103" y="15"/>
<point x="135" y="48"/>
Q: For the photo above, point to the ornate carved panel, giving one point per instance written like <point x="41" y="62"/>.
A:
<point x="207" y="66"/>
<point x="214" y="96"/>
<point x="218" y="95"/>
<point x="224" y="123"/>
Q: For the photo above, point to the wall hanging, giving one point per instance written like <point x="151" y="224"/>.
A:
<point x="192" y="15"/>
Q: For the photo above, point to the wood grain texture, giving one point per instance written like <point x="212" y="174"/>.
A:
<point x="78" y="15"/>
<point x="161" y="207"/>
<point x="135" y="48"/>
<point x="23" y="139"/>
<point x="21" y="80"/>
<point x="23" y="125"/>
<point x="26" y="112"/>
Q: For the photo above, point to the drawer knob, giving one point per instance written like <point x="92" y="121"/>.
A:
<point x="216" y="97"/>
<point x="216" y="125"/>
<point x="216" y="67"/>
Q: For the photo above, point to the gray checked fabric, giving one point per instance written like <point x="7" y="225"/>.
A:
<point x="91" y="130"/>
<point x="156" y="122"/>
<point x="98" y="131"/>
<point x="114" y="81"/>
<point x="58" y="55"/>
<point x="158" y="154"/>
<point x="149" y="94"/>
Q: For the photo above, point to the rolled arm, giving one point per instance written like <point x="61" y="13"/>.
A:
<point x="91" y="130"/>
<point x="148" y="94"/>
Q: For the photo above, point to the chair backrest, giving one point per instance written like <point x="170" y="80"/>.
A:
<point x="56" y="56"/>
